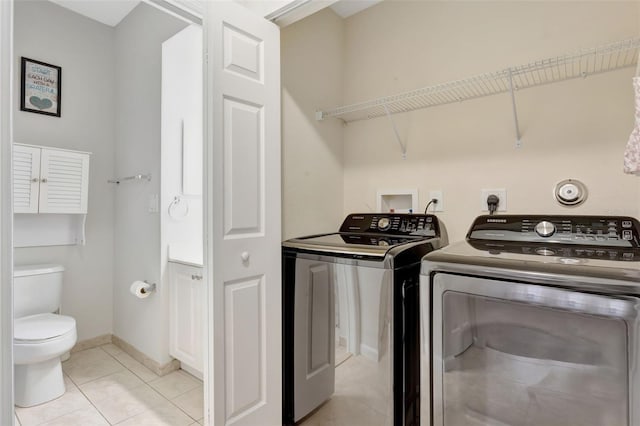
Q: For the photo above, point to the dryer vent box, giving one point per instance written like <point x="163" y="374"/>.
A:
<point x="398" y="201"/>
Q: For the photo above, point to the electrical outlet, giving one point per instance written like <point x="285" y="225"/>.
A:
<point x="439" y="206"/>
<point x="502" y="195"/>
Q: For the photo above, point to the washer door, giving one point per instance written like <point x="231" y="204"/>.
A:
<point x="522" y="354"/>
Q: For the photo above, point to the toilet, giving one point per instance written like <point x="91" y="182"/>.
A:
<point x="40" y="334"/>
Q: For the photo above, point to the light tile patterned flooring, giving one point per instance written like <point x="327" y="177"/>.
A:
<point x="106" y="386"/>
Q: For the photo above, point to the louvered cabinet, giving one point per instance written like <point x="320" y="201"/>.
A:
<point x="49" y="180"/>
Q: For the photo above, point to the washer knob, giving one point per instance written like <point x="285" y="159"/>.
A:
<point x="545" y="228"/>
<point x="384" y="224"/>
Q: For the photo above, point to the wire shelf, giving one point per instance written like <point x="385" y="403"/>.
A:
<point x="579" y="64"/>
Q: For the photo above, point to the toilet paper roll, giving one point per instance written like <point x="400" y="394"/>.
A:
<point x="140" y="289"/>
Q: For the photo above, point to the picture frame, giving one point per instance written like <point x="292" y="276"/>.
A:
<point x="40" y="87"/>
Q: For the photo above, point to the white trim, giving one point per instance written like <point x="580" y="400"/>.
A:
<point x="208" y="185"/>
<point x="53" y="148"/>
<point x="6" y="213"/>
<point x="187" y="11"/>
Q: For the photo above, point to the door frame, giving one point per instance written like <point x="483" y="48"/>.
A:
<point x="6" y="213"/>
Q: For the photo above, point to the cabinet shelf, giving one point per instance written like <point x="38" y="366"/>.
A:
<point x="579" y="64"/>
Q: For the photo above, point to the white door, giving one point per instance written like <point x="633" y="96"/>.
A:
<point x="64" y="181"/>
<point x="243" y="216"/>
<point x="26" y="178"/>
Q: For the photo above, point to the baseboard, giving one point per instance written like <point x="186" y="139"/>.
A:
<point x="369" y="352"/>
<point x="194" y="372"/>
<point x="156" y="367"/>
<point x="94" y="342"/>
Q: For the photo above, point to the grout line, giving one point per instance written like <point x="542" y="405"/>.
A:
<point x="144" y="383"/>
<point x="179" y="408"/>
<point x="88" y="399"/>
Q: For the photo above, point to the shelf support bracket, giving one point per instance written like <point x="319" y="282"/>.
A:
<point x="403" y="148"/>
<point x="515" y="111"/>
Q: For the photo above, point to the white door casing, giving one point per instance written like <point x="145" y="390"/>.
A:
<point x="6" y="214"/>
<point x="242" y="216"/>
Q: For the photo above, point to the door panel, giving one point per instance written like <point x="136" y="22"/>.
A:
<point x="243" y="150"/>
<point x="243" y="215"/>
<point x="243" y="53"/>
<point x="245" y="318"/>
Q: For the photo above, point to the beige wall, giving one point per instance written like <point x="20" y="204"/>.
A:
<point x="575" y="129"/>
<point x="312" y="55"/>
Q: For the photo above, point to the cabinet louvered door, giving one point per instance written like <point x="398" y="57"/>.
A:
<point x="26" y="179"/>
<point x="64" y="182"/>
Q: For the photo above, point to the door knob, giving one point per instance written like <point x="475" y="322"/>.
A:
<point x="245" y="256"/>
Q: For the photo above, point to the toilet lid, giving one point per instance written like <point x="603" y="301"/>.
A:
<point x="42" y="326"/>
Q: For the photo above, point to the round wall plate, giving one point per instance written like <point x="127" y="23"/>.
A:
<point x="570" y="192"/>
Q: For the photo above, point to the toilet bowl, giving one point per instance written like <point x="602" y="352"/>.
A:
<point x="40" y="336"/>
<point x="38" y="342"/>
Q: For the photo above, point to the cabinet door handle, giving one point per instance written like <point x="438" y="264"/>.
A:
<point x="35" y="180"/>
<point x="196" y="277"/>
<point x="43" y="180"/>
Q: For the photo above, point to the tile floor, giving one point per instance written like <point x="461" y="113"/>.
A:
<point x="106" y="386"/>
<point x="361" y="395"/>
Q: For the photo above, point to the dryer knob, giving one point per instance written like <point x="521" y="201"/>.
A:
<point x="545" y="228"/>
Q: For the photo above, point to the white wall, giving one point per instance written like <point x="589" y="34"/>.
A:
<point x="575" y="129"/>
<point x="84" y="50"/>
<point x="138" y="41"/>
<point x="312" y="53"/>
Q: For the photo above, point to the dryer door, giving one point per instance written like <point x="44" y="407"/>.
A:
<point x="522" y="354"/>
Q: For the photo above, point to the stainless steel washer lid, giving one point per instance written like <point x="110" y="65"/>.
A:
<point x="350" y="244"/>
<point x="374" y="236"/>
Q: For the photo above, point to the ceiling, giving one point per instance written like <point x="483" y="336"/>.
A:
<point x="111" y="12"/>
<point x="346" y="8"/>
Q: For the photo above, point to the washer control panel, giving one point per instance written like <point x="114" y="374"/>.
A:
<point x="420" y="225"/>
<point x="601" y="231"/>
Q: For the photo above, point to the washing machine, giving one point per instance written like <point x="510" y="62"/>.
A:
<point x="350" y="320"/>
<point x="533" y="320"/>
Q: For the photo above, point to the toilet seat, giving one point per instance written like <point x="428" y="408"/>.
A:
<point x="42" y="327"/>
<point x="41" y="337"/>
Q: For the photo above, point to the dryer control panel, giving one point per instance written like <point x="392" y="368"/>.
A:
<point x="419" y="225"/>
<point x="600" y="231"/>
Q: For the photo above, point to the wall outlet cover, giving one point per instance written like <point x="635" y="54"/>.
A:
<point x="502" y="195"/>
<point x="439" y="206"/>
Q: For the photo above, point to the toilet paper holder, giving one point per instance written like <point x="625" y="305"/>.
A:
<point x="151" y="289"/>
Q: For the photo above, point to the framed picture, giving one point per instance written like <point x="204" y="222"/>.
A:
<point x="40" y="89"/>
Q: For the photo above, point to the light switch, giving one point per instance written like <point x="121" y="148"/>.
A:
<point x="154" y="203"/>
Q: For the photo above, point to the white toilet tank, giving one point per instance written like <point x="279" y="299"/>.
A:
<point x="36" y="289"/>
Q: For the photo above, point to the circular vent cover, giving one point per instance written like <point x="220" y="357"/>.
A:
<point x="570" y="192"/>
